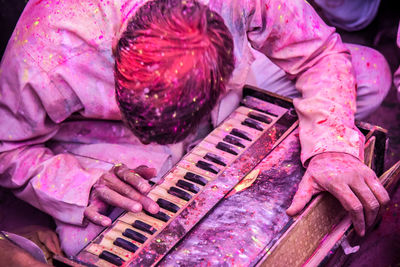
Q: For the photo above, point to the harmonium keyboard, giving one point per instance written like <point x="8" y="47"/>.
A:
<point x="224" y="202"/>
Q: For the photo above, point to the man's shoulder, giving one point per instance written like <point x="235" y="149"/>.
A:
<point x="51" y="32"/>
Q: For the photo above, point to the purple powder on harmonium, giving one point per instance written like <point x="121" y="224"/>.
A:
<point x="243" y="226"/>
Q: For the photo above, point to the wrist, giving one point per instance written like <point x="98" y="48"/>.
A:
<point x="334" y="155"/>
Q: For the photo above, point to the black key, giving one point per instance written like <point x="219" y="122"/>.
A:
<point x="259" y="117"/>
<point x="241" y="134"/>
<point x="227" y="148"/>
<point x="165" y="204"/>
<point x="215" y="158"/>
<point x="134" y="235"/>
<point x="160" y="216"/>
<point x="234" y="141"/>
<point x="195" y="178"/>
<point x="188" y="186"/>
<point x="179" y="193"/>
<point x="151" y="182"/>
<point x="207" y="166"/>
<point x="253" y="124"/>
<point x="111" y="258"/>
<point x="125" y="244"/>
<point x="144" y="227"/>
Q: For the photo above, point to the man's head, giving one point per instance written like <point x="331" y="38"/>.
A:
<point x="171" y="65"/>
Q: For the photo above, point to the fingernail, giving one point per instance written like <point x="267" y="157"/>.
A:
<point x="105" y="222"/>
<point x="154" y="170"/>
<point x="85" y="223"/>
<point x="117" y="166"/>
<point x="136" y="207"/>
<point x="153" y="208"/>
<point x="144" y="188"/>
<point x="289" y="210"/>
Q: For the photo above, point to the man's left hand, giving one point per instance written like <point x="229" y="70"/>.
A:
<point x="349" y="180"/>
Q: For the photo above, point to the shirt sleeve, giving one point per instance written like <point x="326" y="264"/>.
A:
<point x="293" y="36"/>
<point x="55" y="184"/>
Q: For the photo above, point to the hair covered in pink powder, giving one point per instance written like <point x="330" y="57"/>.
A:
<point x="171" y="65"/>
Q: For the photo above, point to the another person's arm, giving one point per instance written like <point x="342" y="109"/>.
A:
<point x="13" y="255"/>
<point x="29" y="246"/>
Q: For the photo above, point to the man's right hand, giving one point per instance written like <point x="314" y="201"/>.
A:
<point x="121" y="187"/>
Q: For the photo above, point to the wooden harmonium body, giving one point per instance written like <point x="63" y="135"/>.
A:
<point x="224" y="203"/>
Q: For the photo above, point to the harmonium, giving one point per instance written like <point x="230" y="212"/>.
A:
<point x="224" y="202"/>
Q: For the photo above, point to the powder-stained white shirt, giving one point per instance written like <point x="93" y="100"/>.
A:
<point x="57" y="86"/>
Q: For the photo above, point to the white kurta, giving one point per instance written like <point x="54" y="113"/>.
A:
<point x="60" y="125"/>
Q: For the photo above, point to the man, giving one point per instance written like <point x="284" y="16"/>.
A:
<point x="175" y="61"/>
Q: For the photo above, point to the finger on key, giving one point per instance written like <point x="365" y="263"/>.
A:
<point x="115" y="199"/>
<point x="128" y="191"/>
<point x="352" y="204"/>
<point x="92" y="214"/>
<point x="377" y="188"/>
<point x="146" y="172"/>
<point x="368" y="200"/>
<point x="123" y="188"/>
<point x="149" y="205"/>
<point x="134" y="178"/>
<point x="142" y="170"/>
